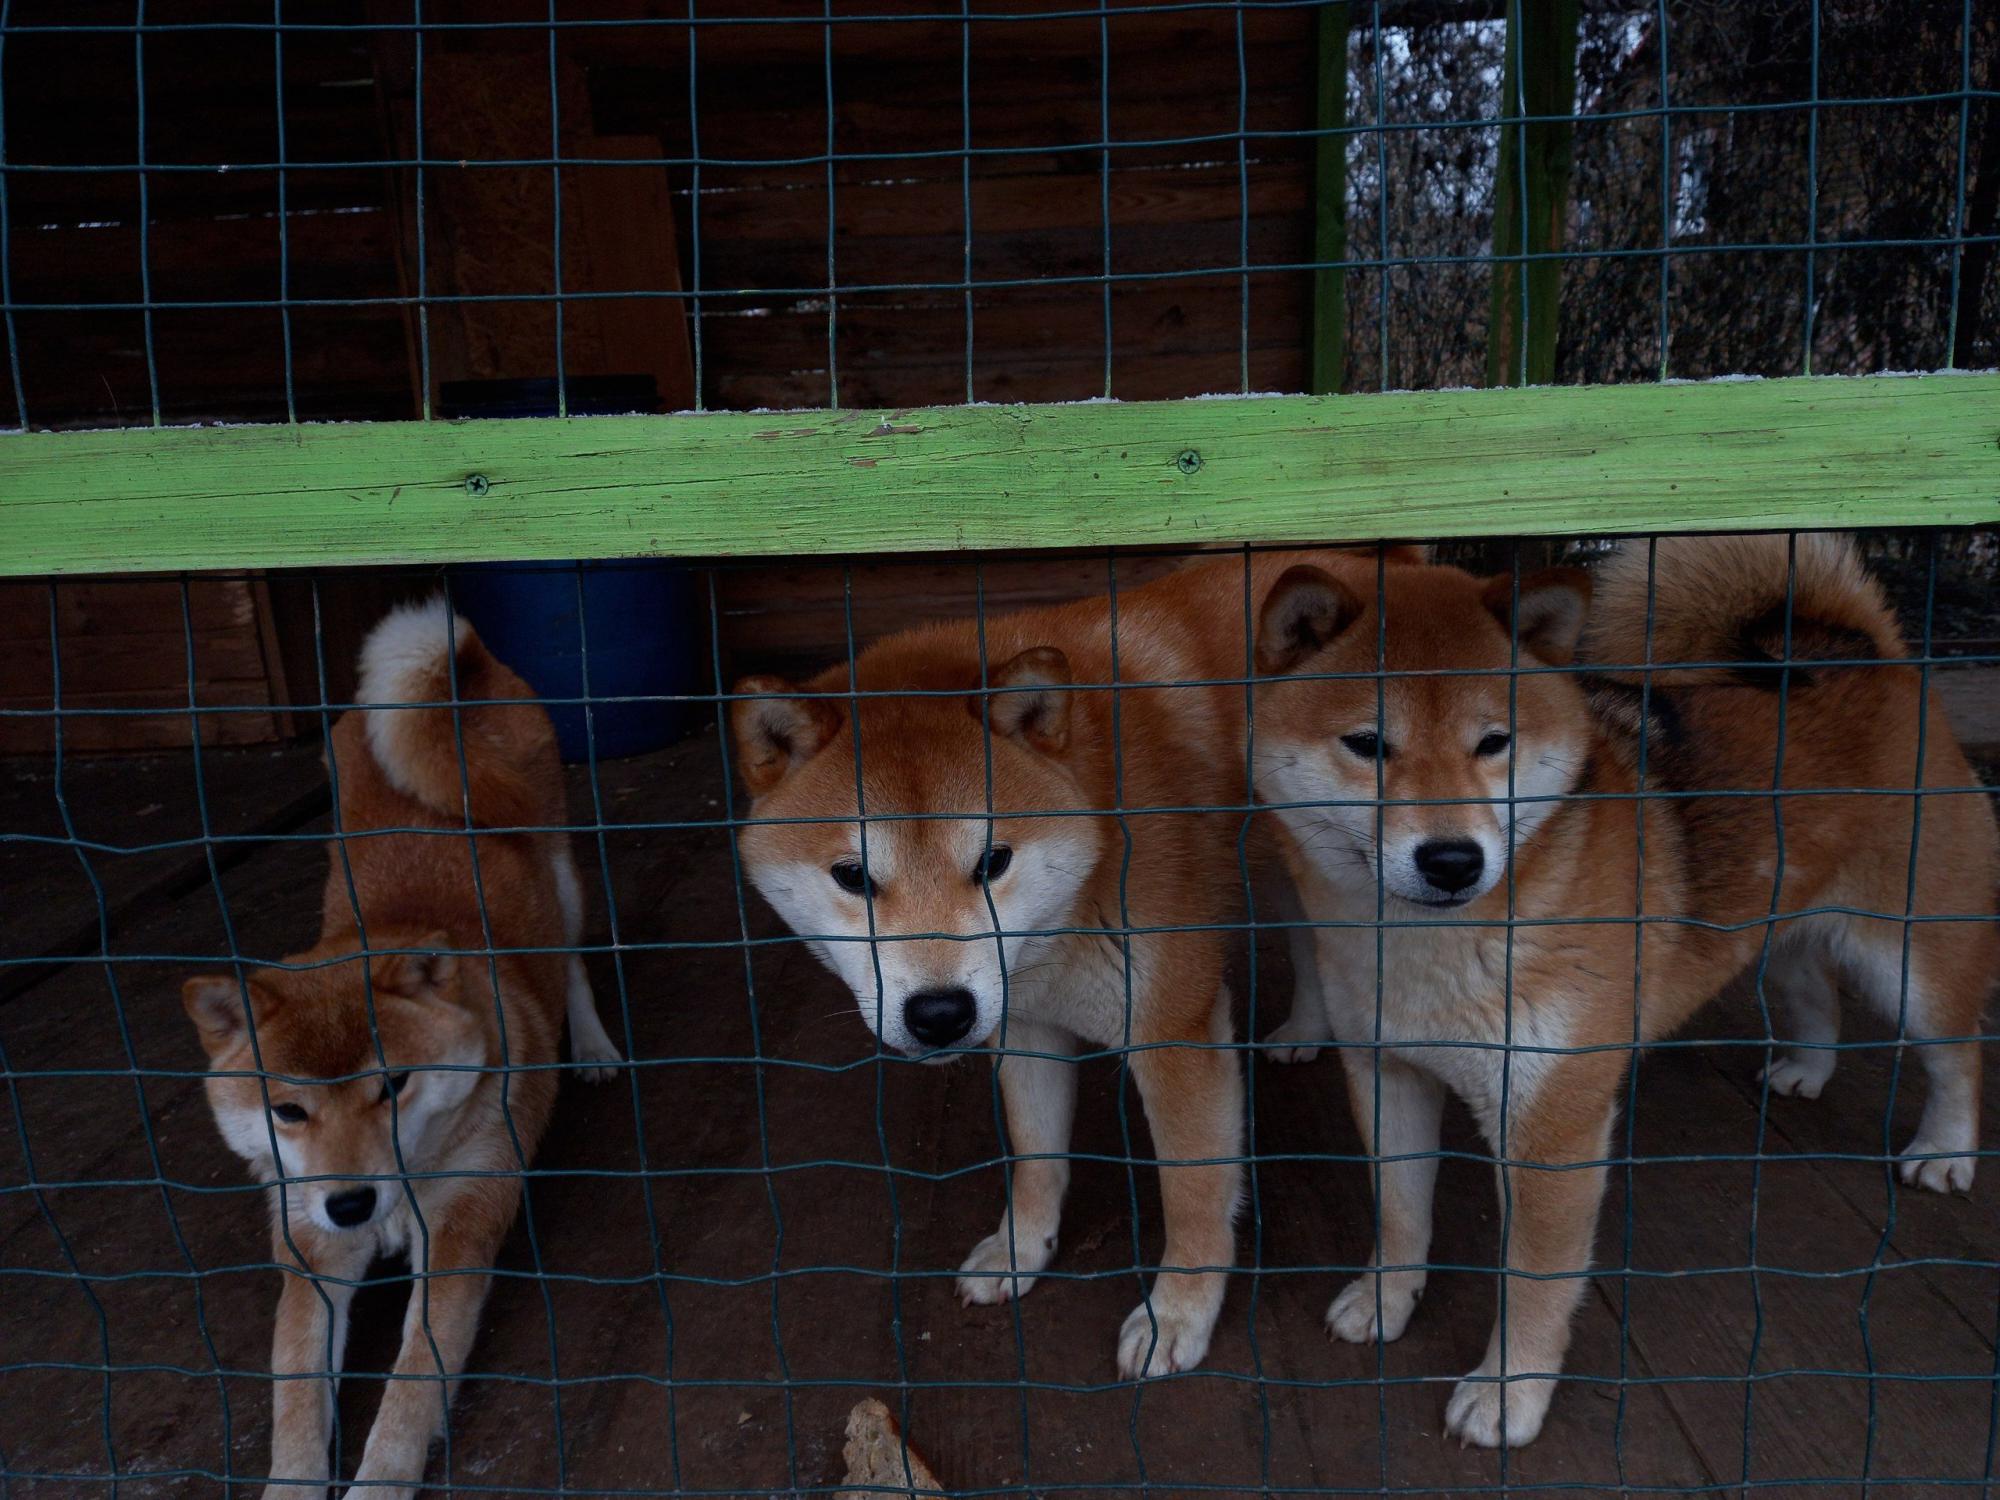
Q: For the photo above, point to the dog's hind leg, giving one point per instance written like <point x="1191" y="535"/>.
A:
<point x="310" y="1338"/>
<point x="1949" y="970"/>
<point x="1192" y="1088"/>
<point x="1038" y="1091"/>
<point x="1308" y="1027"/>
<point x="1409" y="1105"/>
<point x="591" y="1051"/>
<point x="1802" y="986"/>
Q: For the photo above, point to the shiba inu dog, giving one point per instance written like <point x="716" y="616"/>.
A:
<point x="378" y="1056"/>
<point x="991" y="847"/>
<point x="1443" y="804"/>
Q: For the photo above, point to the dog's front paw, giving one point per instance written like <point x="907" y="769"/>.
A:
<point x="275" y="1491"/>
<point x="1164" y="1337"/>
<point x="1474" y="1415"/>
<point x="1799" y="1074"/>
<point x="1360" y="1317"/>
<point x="1295" y="1041"/>
<point x="595" y="1060"/>
<point x="1941" y="1173"/>
<point x="593" y="1056"/>
<point x="1003" y="1266"/>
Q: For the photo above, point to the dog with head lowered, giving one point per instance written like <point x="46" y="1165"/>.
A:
<point x="362" y="1078"/>
<point x="1442" y="773"/>
<point x="992" y="848"/>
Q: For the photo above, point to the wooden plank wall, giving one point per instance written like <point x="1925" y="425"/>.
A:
<point x="124" y="645"/>
<point x="1037" y="217"/>
<point x="1032" y="99"/>
<point x="1040" y="94"/>
<point x="72" y="101"/>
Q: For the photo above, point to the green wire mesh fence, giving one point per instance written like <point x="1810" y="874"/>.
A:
<point x="761" y="1220"/>
<point x="303" y="212"/>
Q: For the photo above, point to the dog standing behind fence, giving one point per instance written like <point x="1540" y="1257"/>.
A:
<point x="1476" y="775"/>
<point x="409" y="1042"/>
<point x="1083" y="912"/>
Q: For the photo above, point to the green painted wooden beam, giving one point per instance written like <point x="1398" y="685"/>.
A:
<point x="1882" y="451"/>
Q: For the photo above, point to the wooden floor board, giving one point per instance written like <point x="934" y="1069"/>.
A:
<point x="144" y="804"/>
<point x="1867" y="1089"/>
<point x="1741" y="1270"/>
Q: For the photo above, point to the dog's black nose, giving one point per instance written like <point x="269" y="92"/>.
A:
<point x="355" y="1206"/>
<point x="1450" y="864"/>
<point x="937" y="1018"/>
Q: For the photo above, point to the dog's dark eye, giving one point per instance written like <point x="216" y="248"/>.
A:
<point x="851" y="878"/>
<point x="1493" y="744"/>
<point x="395" y="1083"/>
<point x="992" y="864"/>
<point x="291" y="1114"/>
<point x="1365" y="743"/>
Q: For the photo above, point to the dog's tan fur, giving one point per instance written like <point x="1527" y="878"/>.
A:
<point x="1449" y="978"/>
<point x="435" y="1012"/>
<point x="1053" y="750"/>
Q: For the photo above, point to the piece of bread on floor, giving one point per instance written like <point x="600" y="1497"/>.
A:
<point x="876" y="1455"/>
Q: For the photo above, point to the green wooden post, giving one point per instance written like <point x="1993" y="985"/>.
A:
<point x="1329" y="305"/>
<point x="1539" y="80"/>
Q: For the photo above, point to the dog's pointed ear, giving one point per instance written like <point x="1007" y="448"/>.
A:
<point x="1034" y="706"/>
<point x="776" y="729"/>
<point x="432" y="968"/>
<point x="1554" y="604"/>
<point x="1306" y="608"/>
<point x="214" y="1002"/>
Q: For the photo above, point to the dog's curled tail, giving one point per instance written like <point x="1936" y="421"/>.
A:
<point x="1719" y="605"/>
<point x="422" y="654"/>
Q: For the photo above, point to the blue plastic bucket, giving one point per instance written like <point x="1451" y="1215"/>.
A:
<point x="639" y="619"/>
